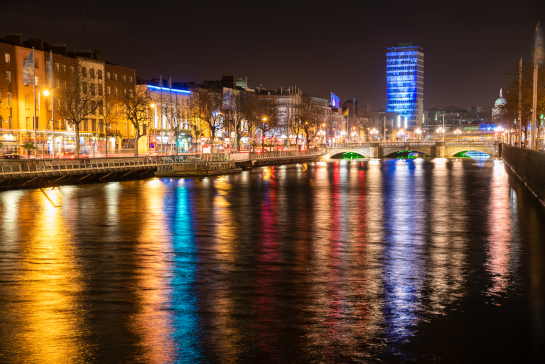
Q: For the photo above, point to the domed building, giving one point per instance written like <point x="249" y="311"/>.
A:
<point x="497" y="109"/>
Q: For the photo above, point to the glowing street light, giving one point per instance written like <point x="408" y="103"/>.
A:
<point x="442" y="131"/>
<point x="458" y="132"/>
<point x="418" y="132"/>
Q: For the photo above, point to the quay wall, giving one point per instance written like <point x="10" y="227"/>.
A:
<point x="529" y="166"/>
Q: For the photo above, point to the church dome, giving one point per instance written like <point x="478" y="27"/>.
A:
<point x="500" y="101"/>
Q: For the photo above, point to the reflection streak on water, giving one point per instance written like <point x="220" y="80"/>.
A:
<point x="499" y="241"/>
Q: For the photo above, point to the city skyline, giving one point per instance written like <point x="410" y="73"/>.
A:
<point x="280" y="46"/>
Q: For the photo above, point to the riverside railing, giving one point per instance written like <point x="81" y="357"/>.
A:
<point x="34" y="168"/>
<point x="287" y="155"/>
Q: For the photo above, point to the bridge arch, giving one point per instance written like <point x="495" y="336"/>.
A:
<point x="389" y="151"/>
<point x="453" y="150"/>
<point x="335" y="152"/>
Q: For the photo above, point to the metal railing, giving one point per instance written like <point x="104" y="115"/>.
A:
<point x="59" y="167"/>
<point x="280" y="155"/>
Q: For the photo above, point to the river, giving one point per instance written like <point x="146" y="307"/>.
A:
<point x="421" y="260"/>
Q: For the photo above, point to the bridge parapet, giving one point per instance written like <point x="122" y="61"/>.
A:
<point x="433" y="149"/>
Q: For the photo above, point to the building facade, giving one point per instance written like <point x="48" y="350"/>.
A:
<point x="26" y="110"/>
<point x="405" y="84"/>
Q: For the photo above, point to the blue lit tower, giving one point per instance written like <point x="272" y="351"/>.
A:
<point x="405" y="84"/>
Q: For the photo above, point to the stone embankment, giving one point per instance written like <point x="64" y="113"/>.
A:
<point x="529" y="166"/>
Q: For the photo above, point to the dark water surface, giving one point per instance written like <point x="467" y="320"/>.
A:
<point x="349" y="261"/>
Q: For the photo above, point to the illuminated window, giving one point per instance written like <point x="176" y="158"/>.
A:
<point x="57" y="67"/>
<point x="115" y="76"/>
<point x="108" y="90"/>
<point x="107" y="75"/>
<point x="8" y="99"/>
<point x="7" y="57"/>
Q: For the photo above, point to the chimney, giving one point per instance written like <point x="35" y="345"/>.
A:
<point x="60" y="48"/>
<point x="86" y="53"/>
<point x="36" y="43"/>
<point x="14" y="38"/>
<point x="98" y="55"/>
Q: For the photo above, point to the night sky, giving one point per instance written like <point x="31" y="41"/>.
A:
<point x="322" y="47"/>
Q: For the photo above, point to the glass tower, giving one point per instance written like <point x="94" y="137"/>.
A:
<point x="405" y="84"/>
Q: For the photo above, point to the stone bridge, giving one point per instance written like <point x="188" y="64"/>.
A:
<point x="433" y="149"/>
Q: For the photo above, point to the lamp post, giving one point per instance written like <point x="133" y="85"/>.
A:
<point x="442" y="130"/>
<point x="458" y="132"/>
<point x="443" y="127"/>
<point x="46" y="94"/>
<point x="263" y="133"/>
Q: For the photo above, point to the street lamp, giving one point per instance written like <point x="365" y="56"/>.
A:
<point x="458" y="132"/>
<point x="443" y="127"/>
<point x="442" y="130"/>
<point x="46" y="93"/>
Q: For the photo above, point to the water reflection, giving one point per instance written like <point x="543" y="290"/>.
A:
<point x="363" y="260"/>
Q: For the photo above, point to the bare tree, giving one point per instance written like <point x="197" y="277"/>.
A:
<point x="175" y="119"/>
<point x="111" y="118"/>
<point x="241" y="113"/>
<point x="206" y="108"/>
<point x="136" y="109"/>
<point x="78" y="99"/>
<point x="510" y="110"/>
<point x="265" y="116"/>
<point x="310" y="119"/>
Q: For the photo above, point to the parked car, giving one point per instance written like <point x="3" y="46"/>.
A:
<point x="11" y="156"/>
<point x="67" y="155"/>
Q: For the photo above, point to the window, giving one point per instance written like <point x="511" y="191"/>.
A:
<point x="84" y="88"/>
<point x="57" y="82"/>
<point x="84" y="71"/>
<point x="92" y="73"/>
<point x="8" y="99"/>
<point x="27" y="105"/>
<point x="56" y="67"/>
<point x="92" y="87"/>
<point x="72" y="69"/>
<point x="64" y="68"/>
<point x="130" y="93"/>
<point x="35" y="62"/>
<point x="85" y="125"/>
<point x="108" y="90"/>
<point x="27" y="122"/>
<point x="130" y="78"/>
<point x="99" y="74"/>
<point x="47" y="65"/>
<point x="115" y="76"/>
<point x="124" y="78"/>
<point x="100" y="90"/>
<point x="108" y="109"/>
<point x="115" y="91"/>
<point x="125" y="92"/>
<point x="116" y="109"/>
<point x="36" y="80"/>
<point x="8" y="76"/>
<point x="7" y="57"/>
<point x="107" y="75"/>
<point x="94" y="123"/>
<point x="125" y="129"/>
